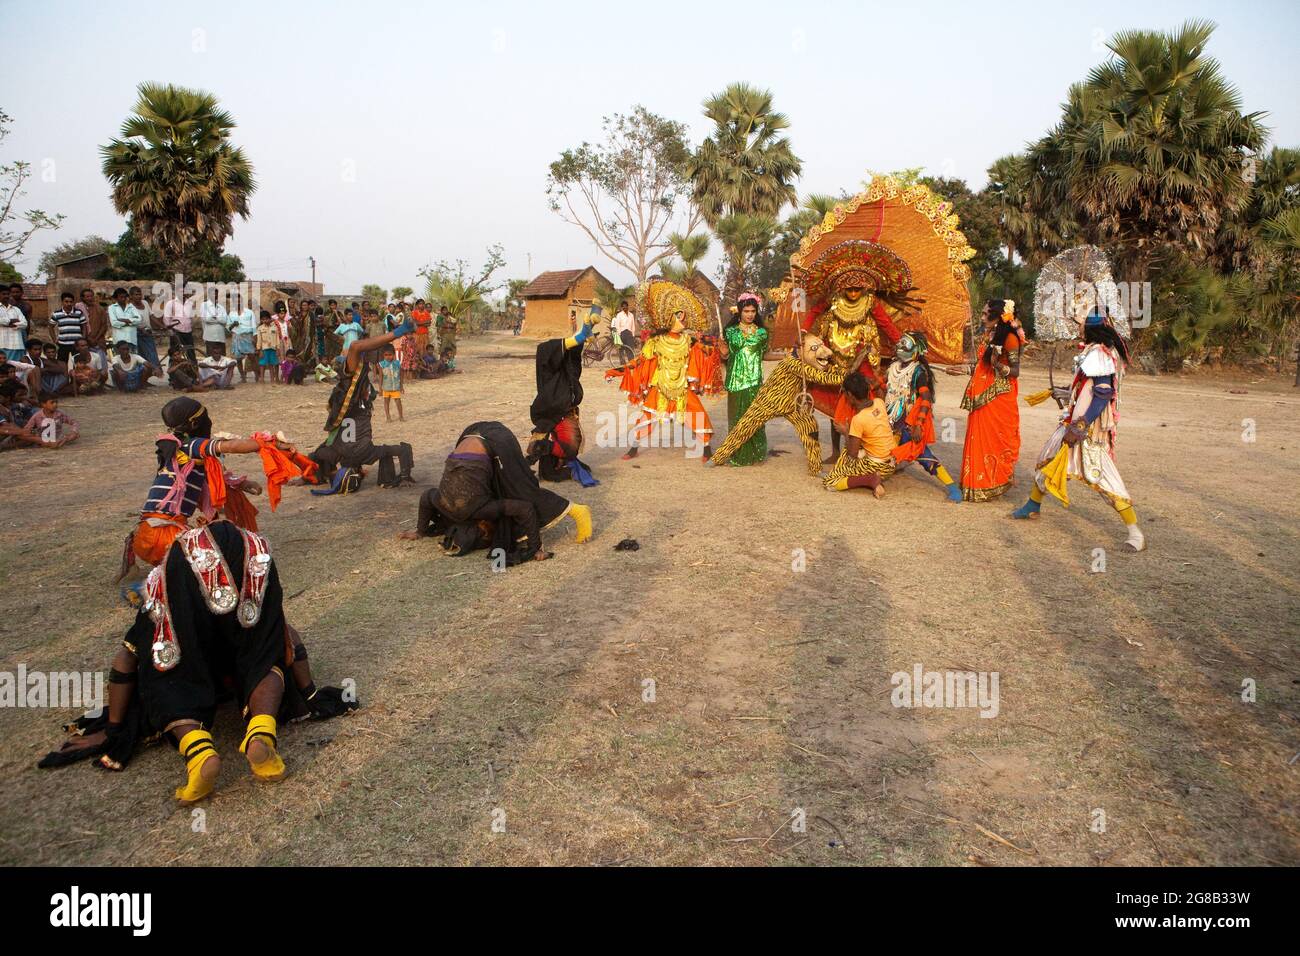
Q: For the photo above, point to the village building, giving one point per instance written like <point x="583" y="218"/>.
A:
<point x="552" y="296"/>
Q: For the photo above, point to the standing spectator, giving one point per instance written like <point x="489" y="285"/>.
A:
<point x="13" y="329"/>
<point x="129" y="372"/>
<point x="125" y="320"/>
<point x="178" y="319"/>
<point x="333" y="319"/>
<point x="242" y="322"/>
<point x="213" y="316"/>
<point x="97" y="327"/>
<point x="349" y="331"/>
<point x="18" y="302"/>
<point x="623" y="330"/>
<point x="148" y="346"/>
<point x="68" y="325"/>
<point x="448" y="326"/>
<point x="86" y="366"/>
<point x="268" y="348"/>
<point x="281" y="322"/>
<point x="390" y="373"/>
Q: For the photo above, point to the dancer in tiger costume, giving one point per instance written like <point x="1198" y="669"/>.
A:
<point x="785" y="395"/>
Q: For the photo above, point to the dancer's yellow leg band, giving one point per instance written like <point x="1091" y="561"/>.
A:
<point x="1127" y="513"/>
<point x="1036" y="494"/>
<point x="581" y="515"/>
<point x="942" y="474"/>
<point x="263" y="726"/>
<point x="197" y="749"/>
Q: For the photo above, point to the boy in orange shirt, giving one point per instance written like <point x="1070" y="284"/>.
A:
<point x="867" y="458"/>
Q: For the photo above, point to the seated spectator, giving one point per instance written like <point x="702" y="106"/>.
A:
<point x="292" y="371"/>
<point x="129" y="371"/>
<point x="15" y="413"/>
<point x="53" y="427"/>
<point x="86" y="367"/>
<point x="50" y="376"/>
<point x="183" y="374"/>
<point x="55" y="377"/>
<point x="217" y="369"/>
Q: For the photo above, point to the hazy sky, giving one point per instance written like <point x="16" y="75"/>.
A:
<point x="447" y="116"/>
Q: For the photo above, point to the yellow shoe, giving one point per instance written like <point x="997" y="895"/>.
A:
<point x="581" y="515"/>
<point x="262" y="729"/>
<point x="197" y="749"/>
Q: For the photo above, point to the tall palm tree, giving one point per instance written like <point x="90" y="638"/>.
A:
<point x="745" y="167"/>
<point x="175" y="173"/>
<point x="1150" y="148"/>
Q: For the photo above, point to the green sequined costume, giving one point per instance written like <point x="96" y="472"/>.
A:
<point x="744" y="377"/>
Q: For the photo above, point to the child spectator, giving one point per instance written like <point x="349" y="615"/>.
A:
<point x="390" y="372"/>
<point x="129" y="372"/>
<point x="14" y="416"/>
<point x="292" y="371"/>
<point x="54" y="428"/>
<point x="268" y="348"/>
<point x="87" y="369"/>
<point x="349" y="331"/>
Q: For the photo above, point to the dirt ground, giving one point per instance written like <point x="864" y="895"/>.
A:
<point x="510" y="718"/>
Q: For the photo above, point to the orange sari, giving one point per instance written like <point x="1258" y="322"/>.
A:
<point x="988" y="460"/>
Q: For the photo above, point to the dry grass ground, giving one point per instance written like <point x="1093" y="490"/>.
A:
<point x="519" y="697"/>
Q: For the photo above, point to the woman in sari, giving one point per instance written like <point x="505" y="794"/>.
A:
<point x="745" y="341"/>
<point x="413" y="348"/>
<point x="988" y="460"/>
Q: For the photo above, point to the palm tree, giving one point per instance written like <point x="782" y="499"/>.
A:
<point x="1150" y="148"/>
<point x="746" y="167"/>
<point x="744" y="238"/>
<point x="175" y="174"/>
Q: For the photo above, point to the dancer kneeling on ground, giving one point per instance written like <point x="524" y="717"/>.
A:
<point x="213" y="617"/>
<point x="489" y="498"/>
<point x="868" y="455"/>
<point x="349" y="447"/>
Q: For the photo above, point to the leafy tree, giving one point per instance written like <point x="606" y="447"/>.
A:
<point x="129" y="258"/>
<point x="17" y="228"/>
<point x="9" y="274"/>
<point x="402" y="292"/>
<point x="67" y="251"/>
<point x="453" y="284"/>
<point x="176" y="174"/>
<point x="374" y="295"/>
<point x="628" y="190"/>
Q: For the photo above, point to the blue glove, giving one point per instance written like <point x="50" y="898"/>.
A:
<point x="406" y="328"/>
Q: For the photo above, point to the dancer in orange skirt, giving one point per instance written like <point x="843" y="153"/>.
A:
<point x="673" y="369"/>
<point x="988" y="460"/>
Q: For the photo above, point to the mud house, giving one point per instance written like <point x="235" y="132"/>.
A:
<point x="550" y="297"/>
